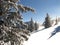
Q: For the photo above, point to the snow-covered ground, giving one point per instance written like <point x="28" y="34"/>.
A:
<point x="41" y="37"/>
<point x="40" y="27"/>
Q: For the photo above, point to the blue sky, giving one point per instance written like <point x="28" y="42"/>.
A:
<point x="52" y="7"/>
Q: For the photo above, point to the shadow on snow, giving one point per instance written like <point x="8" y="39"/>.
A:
<point x="55" y="31"/>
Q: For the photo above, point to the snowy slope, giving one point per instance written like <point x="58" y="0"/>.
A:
<point x="41" y="37"/>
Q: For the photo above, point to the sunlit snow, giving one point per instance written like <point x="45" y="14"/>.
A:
<point x="41" y="37"/>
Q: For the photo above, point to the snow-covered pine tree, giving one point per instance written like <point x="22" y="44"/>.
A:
<point x="47" y="22"/>
<point x="31" y="25"/>
<point x="12" y="28"/>
<point x="36" y="26"/>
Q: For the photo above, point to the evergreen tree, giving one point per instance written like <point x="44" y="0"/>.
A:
<point x="11" y="25"/>
<point x="47" y="22"/>
<point x="31" y="26"/>
<point x="56" y="21"/>
<point x="36" y="26"/>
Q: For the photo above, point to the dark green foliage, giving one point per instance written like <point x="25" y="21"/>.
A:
<point x="56" y="21"/>
<point x="31" y="26"/>
<point x="36" y="26"/>
<point x="47" y="22"/>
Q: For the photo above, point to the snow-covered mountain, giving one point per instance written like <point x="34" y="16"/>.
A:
<point x="49" y="36"/>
